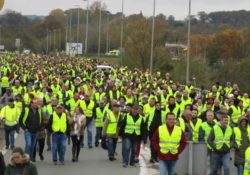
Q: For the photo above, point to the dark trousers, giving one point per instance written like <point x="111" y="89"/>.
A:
<point x="152" y="150"/>
<point x="41" y="143"/>
<point x="76" y="147"/>
<point x="98" y="135"/>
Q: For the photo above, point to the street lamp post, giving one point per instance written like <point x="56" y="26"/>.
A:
<point x="87" y="28"/>
<point x="66" y="33"/>
<point x="152" y="40"/>
<point x="188" y="44"/>
<point x="99" y="36"/>
<point x="122" y="30"/>
<point x="78" y="28"/>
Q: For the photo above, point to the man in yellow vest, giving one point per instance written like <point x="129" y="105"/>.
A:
<point x="195" y="124"/>
<point x="10" y="115"/>
<point x="58" y="126"/>
<point x="247" y="162"/>
<point x="5" y="83"/>
<point x="169" y="141"/>
<point x="235" y="112"/>
<point x="31" y="122"/>
<point x="133" y="129"/>
<point x="242" y="141"/>
<point x="99" y="117"/>
<point x="87" y="105"/>
<point x="111" y="129"/>
<point x="205" y="129"/>
<point x="221" y="141"/>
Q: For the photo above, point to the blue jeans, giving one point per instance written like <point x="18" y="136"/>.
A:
<point x="167" y="167"/>
<point x="30" y="142"/>
<point x="58" y="146"/>
<point x="89" y="132"/>
<point x="218" y="159"/>
<point x="9" y="135"/>
<point x="240" y="169"/>
<point x="129" y="151"/>
<point x="111" y="146"/>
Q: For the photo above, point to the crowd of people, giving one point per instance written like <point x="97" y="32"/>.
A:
<point x="55" y="99"/>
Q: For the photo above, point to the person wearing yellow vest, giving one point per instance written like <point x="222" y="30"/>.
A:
<point x="48" y="110"/>
<point x="5" y="83"/>
<point x="235" y="112"/>
<point x="10" y="115"/>
<point x="205" y="129"/>
<point x="169" y="141"/>
<point x="172" y="107"/>
<point x="221" y="140"/>
<point x="242" y="141"/>
<point x="133" y="129"/>
<point x="111" y="129"/>
<point x="58" y="125"/>
<point x="99" y="117"/>
<point x="195" y="124"/>
<point x="156" y="118"/>
<point x="247" y="162"/>
<point x="88" y="108"/>
<point x="31" y="122"/>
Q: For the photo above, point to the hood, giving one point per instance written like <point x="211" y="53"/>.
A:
<point x="25" y="160"/>
<point x="241" y="119"/>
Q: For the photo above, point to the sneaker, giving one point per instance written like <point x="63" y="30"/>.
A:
<point x="6" y="147"/>
<point x="55" y="162"/>
<point x="90" y="146"/>
<point x="73" y="160"/>
<point x="136" y="161"/>
<point x="61" y="162"/>
<point x="12" y="147"/>
<point x="96" y="144"/>
<point x="125" y="165"/>
<point x="112" y="158"/>
<point x="41" y="157"/>
<point x="132" y="164"/>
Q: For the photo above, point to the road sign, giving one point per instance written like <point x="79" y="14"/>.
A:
<point x="18" y="42"/>
<point x="74" y="48"/>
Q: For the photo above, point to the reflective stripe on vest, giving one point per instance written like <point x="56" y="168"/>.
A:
<point x="99" y="117"/>
<point x="195" y="129"/>
<point x="238" y="135"/>
<point x="88" y="110"/>
<point x="132" y="126"/>
<point x="220" y="138"/>
<point x="59" y="124"/>
<point x="236" y="114"/>
<point x="207" y="129"/>
<point x="112" y="124"/>
<point x="167" y="142"/>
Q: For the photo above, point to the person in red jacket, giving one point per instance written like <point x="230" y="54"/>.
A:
<point x="168" y="141"/>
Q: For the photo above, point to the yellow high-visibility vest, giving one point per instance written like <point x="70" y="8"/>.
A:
<point x="59" y="124"/>
<point x="169" y="143"/>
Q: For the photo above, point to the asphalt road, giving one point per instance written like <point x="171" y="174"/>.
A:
<point x="95" y="162"/>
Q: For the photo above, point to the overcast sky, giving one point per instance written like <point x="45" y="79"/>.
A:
<point x="178" y="8"/>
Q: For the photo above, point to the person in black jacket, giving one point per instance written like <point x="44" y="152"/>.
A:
<point x="31" y="122"/>
<point x="2" y="164"/>
<point x="132" y="130"/>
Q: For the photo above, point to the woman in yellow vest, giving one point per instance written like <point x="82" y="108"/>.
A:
<point x="242" y="141"/>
